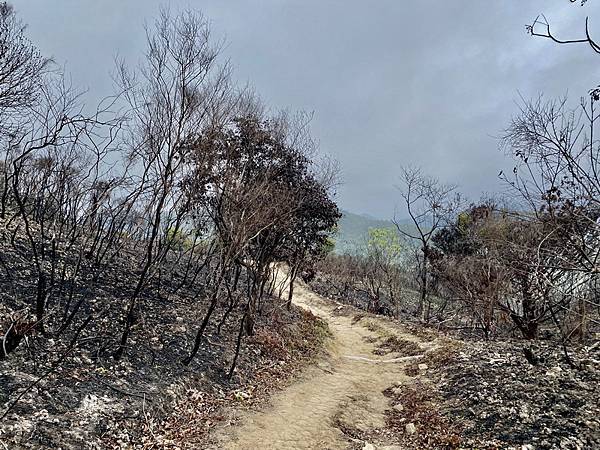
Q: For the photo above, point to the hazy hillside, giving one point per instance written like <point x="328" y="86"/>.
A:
<point x="353" y="230"/>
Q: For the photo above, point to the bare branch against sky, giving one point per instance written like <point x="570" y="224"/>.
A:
<point x="390" y="83"/>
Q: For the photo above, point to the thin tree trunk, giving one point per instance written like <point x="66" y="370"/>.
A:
<point x="205" y="321"/>
<point x="237" y="345"/>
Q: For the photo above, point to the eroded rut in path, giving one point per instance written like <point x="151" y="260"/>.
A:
<point x="342" y="393"/>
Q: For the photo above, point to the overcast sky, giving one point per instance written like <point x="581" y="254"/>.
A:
<point x="391" y="82"/>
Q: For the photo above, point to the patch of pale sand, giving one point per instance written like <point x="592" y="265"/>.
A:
<point x="347" y="394"/>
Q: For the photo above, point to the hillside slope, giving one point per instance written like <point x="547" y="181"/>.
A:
<point x="353" y="230"/>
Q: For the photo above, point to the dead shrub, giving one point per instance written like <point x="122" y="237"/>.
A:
<point x="433" y="430"/>
<point x="270" y="343"/>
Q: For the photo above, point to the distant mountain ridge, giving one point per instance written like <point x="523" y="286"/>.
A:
<point x="353" y="230"/>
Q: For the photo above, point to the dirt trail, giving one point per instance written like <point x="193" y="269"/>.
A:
<point x="342" y="392"/>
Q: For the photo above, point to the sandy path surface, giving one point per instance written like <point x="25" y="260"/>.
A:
<point x="342" y="391"/>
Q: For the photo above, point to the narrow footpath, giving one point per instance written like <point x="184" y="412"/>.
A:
<point x="341" y="392"/>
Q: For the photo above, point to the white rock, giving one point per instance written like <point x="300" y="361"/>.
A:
<point x="368" y="446"/>
<point x="423" y="366"/>
<point x="410" y="428"/>
<point x="524" y="413"/>
<point x="398" y="407"/>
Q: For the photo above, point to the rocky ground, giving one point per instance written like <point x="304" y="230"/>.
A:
<point x="90" y="402"/>
<point x="482" y="395"/>
<point x="499" y="394"/>
<point x="499" y="399"/>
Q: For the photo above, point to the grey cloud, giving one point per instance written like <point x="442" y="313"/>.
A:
<point x="391" y="82"/>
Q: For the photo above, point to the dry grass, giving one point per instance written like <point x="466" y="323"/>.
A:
<point x="395" y="344"/>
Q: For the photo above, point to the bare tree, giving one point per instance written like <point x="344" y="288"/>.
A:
<point x="56" y="155"/>
<point x="557" y="177"/>
<point x="179" y="90"/>
<point x="540" y="27"/>
<point x="21" y="64"/>
<point x="430" y="205"/>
